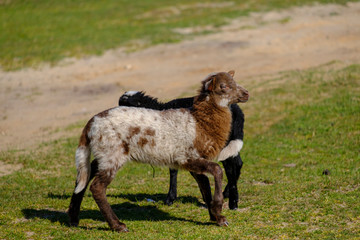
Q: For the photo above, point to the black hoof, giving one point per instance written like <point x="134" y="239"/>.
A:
<point x="74" y="224"/>
<point x="169" y="202"/>
<point x="233" y="205"/>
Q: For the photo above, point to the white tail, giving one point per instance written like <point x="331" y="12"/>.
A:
<point x="83" y="167"/>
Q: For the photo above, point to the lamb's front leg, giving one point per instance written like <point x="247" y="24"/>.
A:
<point x="201" y="166"/>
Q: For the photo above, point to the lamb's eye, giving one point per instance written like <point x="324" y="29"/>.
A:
<point x="223" y="86"/>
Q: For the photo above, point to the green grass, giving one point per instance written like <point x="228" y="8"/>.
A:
<point x="34" y="32"/>
<point x="298" y="124"/>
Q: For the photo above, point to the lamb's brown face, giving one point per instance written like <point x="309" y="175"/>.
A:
<point x="225" y="89"/>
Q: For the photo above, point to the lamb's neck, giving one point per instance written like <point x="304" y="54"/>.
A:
<point x="213" y="125"/>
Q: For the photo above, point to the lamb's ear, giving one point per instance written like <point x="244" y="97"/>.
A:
<point x="209" y="83"/>
<point x="232" y="73"/>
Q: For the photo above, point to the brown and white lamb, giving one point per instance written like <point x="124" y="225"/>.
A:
<point x="183" y="139"/>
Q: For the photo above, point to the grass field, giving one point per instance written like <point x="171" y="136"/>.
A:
<point x="36" y="32"/>
<point x="300" y="124"/>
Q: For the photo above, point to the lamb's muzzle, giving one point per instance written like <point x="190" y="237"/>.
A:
<point x="244" y="94"/>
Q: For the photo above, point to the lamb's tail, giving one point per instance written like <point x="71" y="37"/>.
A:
<point x="82" y="158"/>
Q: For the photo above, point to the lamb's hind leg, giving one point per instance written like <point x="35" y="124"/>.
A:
<point x="98" y="189"/>
<point x="201" y="166"/>
<point x="76" y="199"/>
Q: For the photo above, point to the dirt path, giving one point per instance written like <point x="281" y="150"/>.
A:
<point x="34" y="103"/>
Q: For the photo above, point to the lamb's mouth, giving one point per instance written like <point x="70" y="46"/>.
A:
<point x="243" y="99"/>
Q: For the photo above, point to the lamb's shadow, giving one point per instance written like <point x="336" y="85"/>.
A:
<point x="138" y="197"/>
<point x="49" y="214"/>
<point x="128" y="211"/>
<point x="157" y="198"/>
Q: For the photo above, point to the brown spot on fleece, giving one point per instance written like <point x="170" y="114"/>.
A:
<point x="103" y="114"/>
<point x="125" y="146"/>
<point x="142" y="141"/>
<point x="150" y="131"/>
<point x="133" y="131"/>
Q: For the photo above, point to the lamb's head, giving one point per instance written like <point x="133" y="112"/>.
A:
<point x="223" y="89"/>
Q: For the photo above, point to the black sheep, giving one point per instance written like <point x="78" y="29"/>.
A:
<point x="232" y="163"/>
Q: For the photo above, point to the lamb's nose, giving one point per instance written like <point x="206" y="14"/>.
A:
<point x="245" y="94"/>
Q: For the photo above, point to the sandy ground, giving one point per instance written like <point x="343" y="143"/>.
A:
<point x="36" y="102"/>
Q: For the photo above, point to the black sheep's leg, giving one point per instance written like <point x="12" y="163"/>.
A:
<point x="232" y="167"/>
<point x="172" y="194"/>
<point x="228" y="166"/>
<point x="226" y="190"/>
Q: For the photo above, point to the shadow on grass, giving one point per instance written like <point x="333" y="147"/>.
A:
<point x="49" y="214"/>
<point x="125" y="212"/>
<point x="137" y="197"/>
